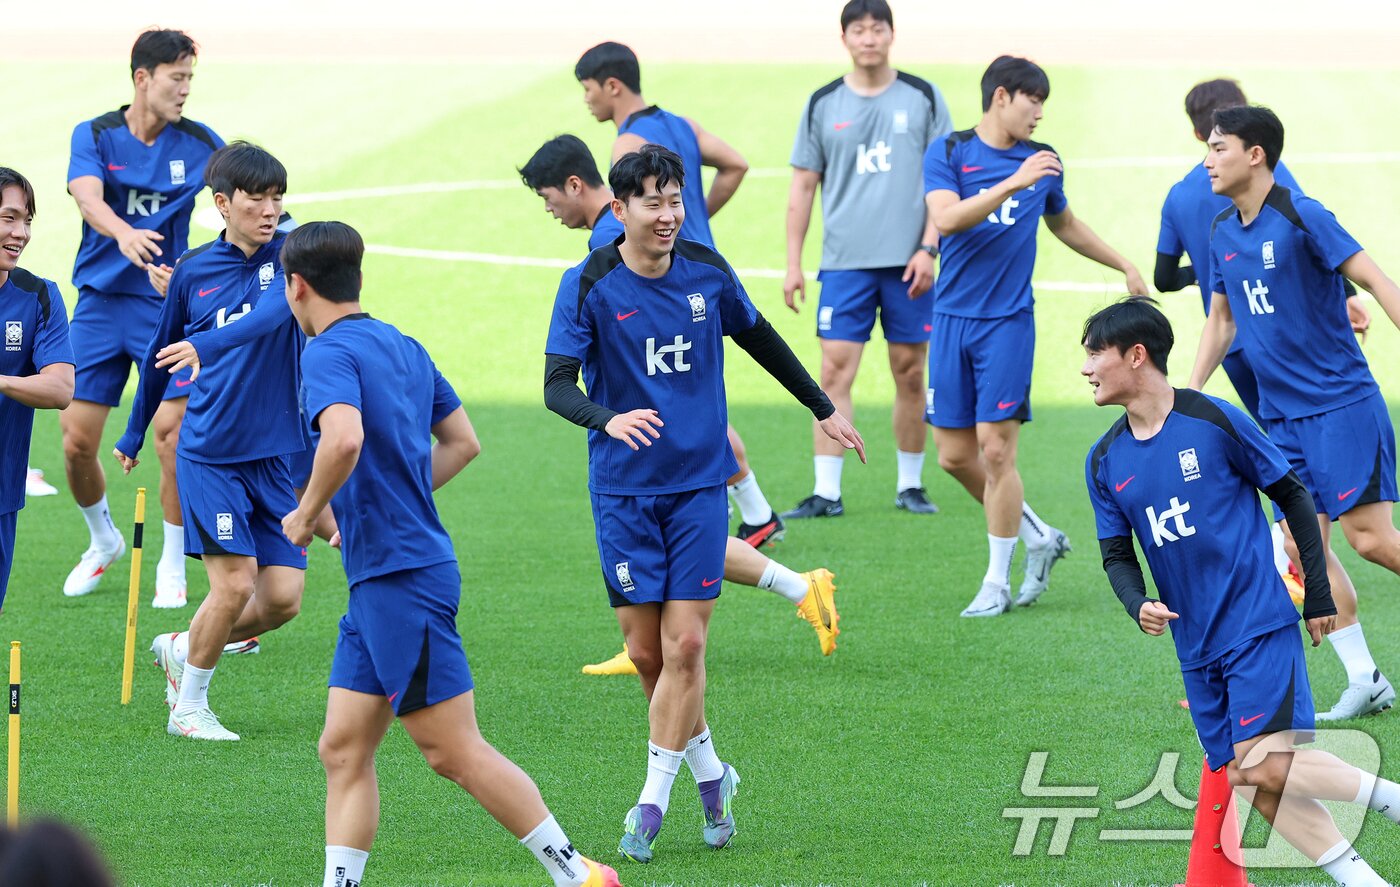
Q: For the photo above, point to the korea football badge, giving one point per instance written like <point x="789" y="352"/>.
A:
<point x="14" y="335"/>
<point x="223" y="526"/>
<point x="697" y="307"/>
<point x="624" y="576"/>
<point x="901" y="122"/>
<point x="1190" y="465"/>
<point x="265" y="275"/>
<point x="177" y="172"/>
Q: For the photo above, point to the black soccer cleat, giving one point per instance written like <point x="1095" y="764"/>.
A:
<point x="762" y="534"/>
<point x="915" y="500"/>
<point x="816" y="506"/>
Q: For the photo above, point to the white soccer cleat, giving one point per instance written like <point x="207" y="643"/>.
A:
<point x="1039" y="562"/>
<point x="1359" y="700"/>
<point x="992" y="600"/>
<point x="94" y="562"/>
<point x="35" y="485"/>
<point x="173" y="669"/>
<point x="170" y="590"/>
<point x="199" y="724"/>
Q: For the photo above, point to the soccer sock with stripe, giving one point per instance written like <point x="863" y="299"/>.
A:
<point x="1034" y="531"/>
<point x="754" y="509"/>
<point x="554" y="851"/>
<point x="828" y="473"/>
<point x="999" y="561"/>
<point x="1350" y="646"/>
<point x="102" y="531"/>
<point x="781" y="580"/>
<point x="707" y="769"/>
<point x="662" y="767"/>
<point x="345" y="866"/>
<point x="911" y="470"/>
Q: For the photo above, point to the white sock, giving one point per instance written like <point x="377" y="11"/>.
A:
<point x="828" y="472"/>
<point x="345" y="866"/>
<point x="911" y="470"/>
<point x="700" y="756"/>
<point x="1347" y="867"/>
<point x="1350" y="646"/>
<point x="1281" y="560"/>
<point x="1034" y="531"/>
<point x="180" y="647"/>
<point x="102" y="531"/>
<point x="552" y="848"/>
<point x="1381" y="795"/>
<point x="172" y="551"/>
<point x="194" y="689"/>
<point x="780" y="580"/>
<point x="662" y="767"/>
<point x="999" y="563"/>
<point x="754" y="509"/>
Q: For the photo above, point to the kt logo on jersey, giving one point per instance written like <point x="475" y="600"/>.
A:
<point x="1176" y="515"/>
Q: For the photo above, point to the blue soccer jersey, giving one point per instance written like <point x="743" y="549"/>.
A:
<point x="36" y="336"/>
<point x="654" y="344"/>
<point x="671" y="131"/>
<point x="1190" y="496"/>
<point x="1289" y="303"/>
<point x="147" y="186"/>
<point x="388" y="521"/>
<point x="606" y="228"/>
<point x="244" y="406"/>
<point x="985" y="271"/>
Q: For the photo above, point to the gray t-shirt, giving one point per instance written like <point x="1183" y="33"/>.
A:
<point x="870" y="151"/>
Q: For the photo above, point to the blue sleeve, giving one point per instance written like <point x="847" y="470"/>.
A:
<point x="1332" y="242"/>
<point x="1217" y="280"/>
<point x="938" y="172"/>
<point x="1168" y="238"/>
<point x="736" y="312"/>
<point x="271" y="312"/>
<point x="330" y="374"/>
<point x="52" y="345"/>
<point x="1108" y="517"/>
<point x="1252" y="454"/>
<point x="1056" y="202"/>
<point x="83" y="159"/>
<point x="150" y="390"/>
<point x="570" y="329"/>
<point x="445" y="399"/>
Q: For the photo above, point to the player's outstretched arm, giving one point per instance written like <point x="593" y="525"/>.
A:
<point x="1125" y="576"/>
<point x="139" y="245"/>
<point x="1362" y="270"/>
<point x="456" y="445"/>
<point x="1319" y="610"/>
<point x="1170" y="275"/>
<point x="1074" y="233"/>
<point x="270" y="314"/>
<point x="802" y="194"/>
<point x="49" y="389"/>
<point x="337" y="453"/>
<point x="954" y="214"/>
<point x="151" y="386"/>
<point x="1216" y="338"/>
<point x="730" y="167"/>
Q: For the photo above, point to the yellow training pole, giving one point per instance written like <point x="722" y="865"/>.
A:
<point x="133" y="595"/>
<point x="13" y="783"/>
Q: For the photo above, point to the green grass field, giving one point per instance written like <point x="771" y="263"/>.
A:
<point x="889" y="763"/>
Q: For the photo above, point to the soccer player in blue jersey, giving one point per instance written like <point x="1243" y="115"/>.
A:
<point x="134" y="174"/>
<point x="376" y="402"/>
<point x="36" y="367"/>
<point x="644" y="318"/>
<point x="563" y="174"/>
<point x="986" y="189"/>
<point x="242" y="424"/>
<point x="860" y="140"/>
<point x="1182" y="472"/>
<point x="1278" y="264"/>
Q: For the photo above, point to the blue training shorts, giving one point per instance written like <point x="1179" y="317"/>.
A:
<point x="109" y="333"/>
<point x="1261" y="686"/>
<point x="980" y="370"/>
<point x="1345" y="457"/>
<point x="655" y="549"/>
<point x="237" y="508"/>
<point x="8" y="523"/>
<point x="399" y="640"/>
<point x="850" y="299"/>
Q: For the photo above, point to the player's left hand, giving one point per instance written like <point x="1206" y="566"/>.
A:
<point x="299" y="528"/>
<point x="1136" y="285"/>
<point x="919" y="274"/>
<point x="159" y="276"/>
<point x="334" y="541"/>
<point x="181" y="354"/>
<point x="840" y="429"/>
<point x="128" y="463"/>
<point x="1321" y="626"/>
<point x="1359" y="316"/>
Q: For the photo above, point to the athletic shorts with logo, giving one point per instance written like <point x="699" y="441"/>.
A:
<point x="1345" y="457"/>
<point x="110" y="333"/>
<point x="850" y="300"/>
<point x="1260" y="686"/>
<point x="662" y="548"/>
<point x="399" y="640"/>
<point x="237" y="508"/>
<point x="980" y="370"/>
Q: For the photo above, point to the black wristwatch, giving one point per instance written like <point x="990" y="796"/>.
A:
<point x="930" y="248"/>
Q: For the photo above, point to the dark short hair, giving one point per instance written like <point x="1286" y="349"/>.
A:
<point x="1206" y="98"/>
<point x="556" y="160"/>
<point x="10" y="177"/>
<point x="628" y="176"/>
<point x="1253" y="125"/>
<point x="159" y="46"/>
<point x="243" y="166"/>
<point x="856" y="10"/>
<point x="327" y="255"/>
<point x="1135" y="320"/>
<point x="1015" y="75"/>
<point x="49" y="854"/>
<point x="610" y="60"/>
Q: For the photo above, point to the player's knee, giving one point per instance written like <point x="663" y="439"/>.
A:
<point x="453" y="764"/>
<point x="999" y="455"/>
<point x="282" y="611"/>
<point x="1378" y="548"/>
<point x="837" y="374"/>
<point x="79" y="446"/>
<point x="339" y="752"/>
<point x="953" y="460"/>
<point x="686" y="650"/>
<point x="647" y="659"/>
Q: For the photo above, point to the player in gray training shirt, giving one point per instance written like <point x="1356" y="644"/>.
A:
<point x="862" y="139"/>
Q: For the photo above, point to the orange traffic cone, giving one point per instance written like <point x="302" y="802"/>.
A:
<point x="1216" y="828"/>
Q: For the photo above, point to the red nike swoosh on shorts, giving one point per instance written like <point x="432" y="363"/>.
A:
<point x="203" y="293"/>
<point x="1246" y="723"/>
<point x="183" y="383"/>
<point x="393" y="697"/>
<point x="628" y="314"/>
<point x="841" y="126"/>
<point x="1342" y="497"/>
<point x="113" y="167"/>
<point x="1229" y="256"/>
<point x="1119" y="487"/>
<point x="708" y="582"/>
<point x="1006" y="404"/>
<point x="967" y="168"/>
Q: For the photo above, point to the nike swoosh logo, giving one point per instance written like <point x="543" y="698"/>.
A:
<point x="1119" y="487"/>
<point x="394" y="696"/>
<point x="1246" y="723"/>
<point x="967" y="168"/>
<point x="841" y="126"/>
<point x="628" y="314"/>
<point x="183" y="383"/>
<point x="1230" y="256"/>
<point x="1342" y="497"/>
<point x="1006" y="404"/>
<point x="203" y="293"/>
<point x="1377" y="695"/>
<point x="113" y="167"/>
<point x="706" y="583"/>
